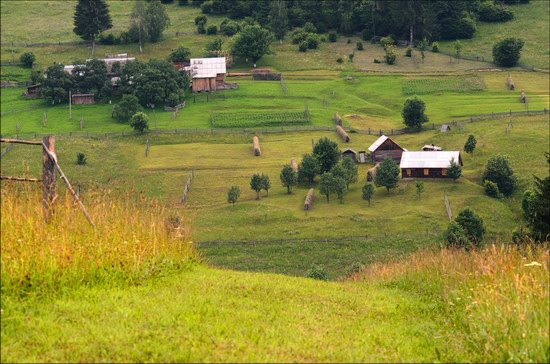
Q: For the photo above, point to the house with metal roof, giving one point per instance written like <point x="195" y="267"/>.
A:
<point x="207" y="74"/>
<point x="427" y="164"/>
<point x="384" y="148"/>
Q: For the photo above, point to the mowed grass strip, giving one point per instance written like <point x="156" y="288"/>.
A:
<point x="424" y="86"/>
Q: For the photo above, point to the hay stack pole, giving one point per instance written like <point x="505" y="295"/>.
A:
<point x="337" y="119"/>
<point x="256" y="146"/>
<point x="342" y="133"/>
<point x="308" y="204"/>
<point x="510" y="83"/>
<point x="294" y="165"/>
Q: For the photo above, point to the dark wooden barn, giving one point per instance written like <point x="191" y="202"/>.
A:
<point x="384" y="148"/>
<point x="427" y="164"/>
<point x="32" y="91"/>
<point x="348" y="152"/>
<point x="83" y="99"/>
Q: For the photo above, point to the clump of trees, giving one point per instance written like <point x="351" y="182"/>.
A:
<point x="139" y="122"/>
<point x="466" y="231"/>
<point x="27" y="59"/>
<point x="252" y="43"/>
<point x="507" y="52"/>
<point x="536" y="207"/>
<point x="260" y="182"/>
<point x="414" y="112"/>
<point x="499" y="171"/>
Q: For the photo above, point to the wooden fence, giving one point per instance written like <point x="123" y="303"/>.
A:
<point x="448" y="206"/>
<point x="186" y="187"/>
<point x="175" y="108"/>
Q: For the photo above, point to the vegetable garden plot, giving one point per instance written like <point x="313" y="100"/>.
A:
<point x="247" y="120"/>
<point x="443" y="84"/>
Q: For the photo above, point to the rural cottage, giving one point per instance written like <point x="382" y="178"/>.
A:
<point x="384" y="148"/>
<point x="427" y="164"/>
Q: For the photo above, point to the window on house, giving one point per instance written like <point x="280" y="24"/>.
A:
<point x="444" y="171"/>
<point x="426" y="172"/>
<point x="408" y="172"/>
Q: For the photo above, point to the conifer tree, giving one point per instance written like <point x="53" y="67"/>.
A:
<point x="91" y="17"/>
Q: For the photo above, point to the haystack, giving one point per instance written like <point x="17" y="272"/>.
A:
<point x="256" y="146"/>
<point x="294" y="165"/>
<point x="371" y="173"/>
<point x="308" y="204"/>
<point x="522" y="96"/>
<point x="342" y="133"/>
<point x="337" y="119"/>
<point x="510" y="83"/>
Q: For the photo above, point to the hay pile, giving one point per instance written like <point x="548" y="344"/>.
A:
<point x="371" y="173"/>
<point x="337" y="119"/>
<point x="342" y="133"/>
<point x="256" y="146"/>
<point x="308" y="204"/>
<point x="522" y="96"/>
<point x="294" y="165"/>
<point x="510" y="83"/>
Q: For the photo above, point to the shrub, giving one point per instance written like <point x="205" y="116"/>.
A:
<point x="126" y="108"/>
<point x="350" y="57"/>
<point x="458" y="28"/>
<point x="229" y="28"/>
<point x="302" y="47"/>
<point x="108" y="39"/>
<point x="454" y="170"/>
<point x="491" y="189"/>
<point x="499" y="171"/>
<point x="81" y="159"/>
<point x="201" y="28"/>
<point x="348" y="41"/>
<point x="455" y="236"/>
<point x="233" y="194"/>
<point x="408" y="52"/>
<point x="360" y="46"/>
<point x="201" y="19"/>
<point x="414" y="112"/>
<point x="470" y="144"/>
<point x="376" y="60"/>
<point x="180" y="54"/>
<point x="310" y="28"/>
<point x="312" y="41"/>
<point x="472" y="225"/>
<point x="298" y="36"/>
<point x="528" y="203"/>
<point x="27" y="59"/>
<point x="391" y="54"/>
<point x="507" y="52"/>
<point x="435" y="47"/>
<point x="139" y="122"/>
<point x="520" y="235"/>
<point x="212" y="29"/>
<point x="173" y="99"/>
<point x="494" y="12"/>
<point x="332" y="37"/>
<point x="387" y="41"/>
<point x="339" y="60"/>
<point x="323" y="39"/>
<point x="215" y="45"/>
<point x="317" y="272"/>
<point x="206" y="7"/>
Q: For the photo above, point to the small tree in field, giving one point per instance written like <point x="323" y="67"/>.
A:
<point x="288" y="177"/>
<point x="340" y="188"/>
<point x="350" y="171"/>
<point x="327" y="184"/>
<point x="387" y="174"/>
<point x="470" y="145"/>
<point x="309" y="169"/>
<point x="499" y="171"/>
<point x="327" y="153"/>
<point x="506" y="53"/>
<point x="419" y="188"/>
<point x="414" y="112"/>
<point x="233" y="194"/>
<point x="252" y="43"/>
<point x="126" y="108"/>
<point x="423" y="46"/>
<point x="458" y="48"/>
<point x="367" y="192"/>
<point x="472" y="225"/>
<point x="139" y="122"/>
<point x="265" y="183"/>
<point x="27" y="59"/>
<point x="454" y="170"/>
<point x="256" y="184"/>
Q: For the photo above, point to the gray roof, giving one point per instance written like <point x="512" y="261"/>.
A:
<point x="349" y="150"/>
<point x="206" y="67"/>
<point x="378" y="143"/>
<point x="428" y="159"/>
<point x="431" y="147"/>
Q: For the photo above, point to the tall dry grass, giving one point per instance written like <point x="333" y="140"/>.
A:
<point x="134" y="238"/>
<point x="495" y="300"/>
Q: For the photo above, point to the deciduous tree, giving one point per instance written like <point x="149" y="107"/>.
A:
<point x="414" y="112"/>
<point x="233" y="194"/>
<point x="288" y="177"/>
<point x="252" y="43"/>
<point x="327" y="153"/>
<point x="387" y="174"/>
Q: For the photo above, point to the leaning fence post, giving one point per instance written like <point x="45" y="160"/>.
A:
<point x="48" y="177"/>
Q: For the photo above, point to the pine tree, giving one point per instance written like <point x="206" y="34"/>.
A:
<point x="454" y="170"/>
<point x="91" y="17"/>
<point x="470" y="145"/>
<point x="279" y="19"/>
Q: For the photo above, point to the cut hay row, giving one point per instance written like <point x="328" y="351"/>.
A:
<point x="371" y="173"/>
<point x="510" y="83"/>
<point x="337" y="119"/>
<point x="442" y="84"/>
<point x="256" y="146"/>
<point x="308" y="204"/>
<point x="244" y="120"/>
<point x="342" y="133"/>
<point x="294" y="165"/>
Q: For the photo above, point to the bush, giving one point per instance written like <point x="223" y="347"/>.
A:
<point x="387" y="41"/>
<point x="391" y="54"/>
<point x="229" y="28"/>
<point x="201" y="19"/>
<point x="414" y="112"/>
<point x="491" y="189"/>
<point x="458" y="28"/>
<point x="376" y="60"/>
<point x="499" y="171"/>
<point x="408" y="52"/>
<point x="126" y="108"/>
<point x="339" y="60"/>
<point x="201" y="29"/>
<point x="494" y="12"/>
<point x="139" y="122"/>
<point x="180" y="54"/>
<point x="206" y="7"/>
<point x="212" y="30"/>
<point x="332" y="37"/>
<point x="214" y="46"/>
<point x="303" y="47"/>
<point x="455" y="236"/>
<point x="298" y="36"/>
<point x="173" y="99"/>
<point x="312" y="41"/>
<point x="27" y="59"/>
<point x="349" y="41"/>
<point x="350" y="57"/>
<point x="323" y="39"/>
<point x="472" y="225"/>
<point x="310" y="28"/>
<point x="360" y="46"/>
<point x="108" y="39"/>
<point x="81" y="159"/>
<point x="317" y="272"/>
<point x="435" y="47"/>
<point x="507" y="52"/>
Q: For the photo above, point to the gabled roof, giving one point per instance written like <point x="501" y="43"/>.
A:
<point x="431" y="147"/>
<point x="207" y="67"/>
<point x="349" y="150"/>
<point x="374" y="146"/>
<point x="429" y="159"/>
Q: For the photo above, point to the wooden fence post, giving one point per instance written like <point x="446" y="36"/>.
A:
<point x="49" y="193"/>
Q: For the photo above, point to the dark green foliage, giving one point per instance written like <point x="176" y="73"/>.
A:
<point x="312" y="41"/>
<point x="472" y="225"/>
<point x="229" y="27"/>
<point x="541" y="207"/>
<point x="126" y="108"/>
<point x="299" y="36"/>
<point x="414" y="112"/>
<point x="387" y="174"/>
<point x="157" y="20"/>
<point x="328" y="184"/>
<point x="340" y="188"/>
<point x="27" y="59"/>
<point x="288" y="177"/>
<point x="302" y="47"/>
<point x="167" y="1"/>
<point x="351" y="172"/>
<point x="422" y="47"/>
<point x="494" y="12"/>
<point x="183" y="2"/>
<point x="55" y="88"/>
<point x="180" y="54"/>
<point x="174" y="99"/>
<point x="499" y="171"/>
<point x="139" y="122"/>
<point x="251" y="43"/>
<point x="391" y="54"/>
<point x="310" y="28"/>
<point x="350" y="57"/>
<point x="419" y="188"/>
<point x="309" y="169"/>
<point x="360" y="46"/>
<point x="36" y="77"/>
<point x="339" y="60"/>
<point x="201" y="19"/>
<point x="528" y="203"/>
<point x="212" y="30"/>
<point x="214" y="46"/>
<point x="265" y="183"/>
<point x="507" y="52"/>
<point x="91" y="77"/>
<point x="470" y="145"/>
<point x="91" y="17"/>
<point x="491" y="189"/>
<point x="332" y="37"/>
<point x="456" y="237"/>
<point x="367" y="192"/>
<point x="327" y="153"/>
<point x="454" y="170"/>
<point x="201" y="29"/>
<point x="387" y="41"/>
<point x="256" y="184"/>
<point x="408" y="52"/>
<point x="317" y="272"/>
<point x="81" y="159"/>
<point x="233" y="194"/>
<point x="435" y="47"/>
<point x="278" y="18"/>
<point x="206" y="7"/>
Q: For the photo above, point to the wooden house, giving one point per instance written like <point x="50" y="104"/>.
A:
<point x="83" y="99"/>
<point x="32" y="91"/>
<point x="427" y="164"/>
<point x="207" y="74"/>
<point x="384" y="148"/>
<point x="348" y="152"/>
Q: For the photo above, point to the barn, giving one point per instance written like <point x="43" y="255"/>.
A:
<point x="427" y="164"/>
<point x="83" y="99"/>
<point x="384" y="148"/>
<point x="348" y="152"/>
<point x="32" y="91"/>
<point x="207" y="74"/>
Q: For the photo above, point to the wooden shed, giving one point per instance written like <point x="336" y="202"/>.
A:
<point x="427" y="164"/>
<point x="384" y="148"/>
<point x="32" y="91"/>
<point x="348" y="152"/>
<point x="207" y="74"/>
<point x="83" y="99"/>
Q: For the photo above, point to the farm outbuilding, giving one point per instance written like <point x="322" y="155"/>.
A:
<point x="384" y="148"/>
<point x="207" y="74"/>
<point x="431" y="148"/>
<point x="362" y="156"/>
<point x="32" y="91"/>
<point x="348" y="152"/>
<point x="427" y="164"/>
<point x="83" y="99"/>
